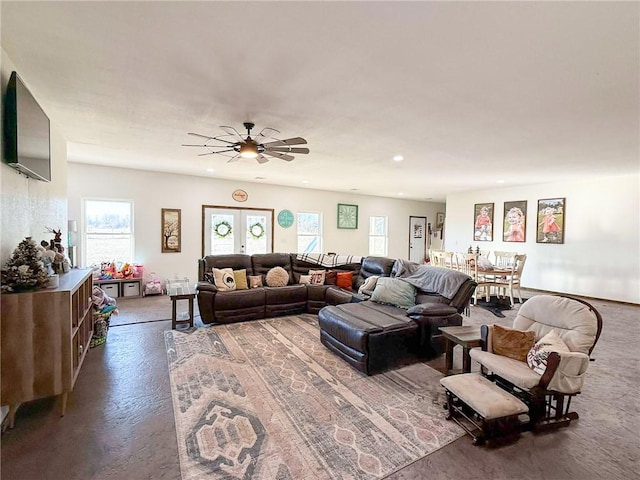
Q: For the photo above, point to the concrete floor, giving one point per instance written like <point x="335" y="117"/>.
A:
<point x="119" y="422"/>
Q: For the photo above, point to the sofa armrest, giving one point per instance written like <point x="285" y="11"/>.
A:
<point x="337" y="296"/>
<point x="431" y="309"/>
<point x="206" y="287"/>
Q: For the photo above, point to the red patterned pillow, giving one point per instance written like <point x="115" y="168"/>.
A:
<point x="345" y="280"/>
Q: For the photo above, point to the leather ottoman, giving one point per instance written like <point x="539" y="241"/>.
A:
<point x="369" y="336"/>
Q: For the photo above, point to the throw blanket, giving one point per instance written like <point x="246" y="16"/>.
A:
<point x="328" y="260"/>
<point x="431" y="279"/>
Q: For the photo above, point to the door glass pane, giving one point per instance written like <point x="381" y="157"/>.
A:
<point x="222" y="234"/>
<point x="256" y="234"/>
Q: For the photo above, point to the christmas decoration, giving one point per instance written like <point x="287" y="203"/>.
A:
<point x="25" y="270"/>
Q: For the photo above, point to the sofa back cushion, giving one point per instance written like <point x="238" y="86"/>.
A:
<point x="379" y="266"/>
<point x="235" y="261"/>
<point x="263" y="262"/>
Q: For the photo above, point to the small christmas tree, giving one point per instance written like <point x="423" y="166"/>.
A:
<point x="25" y="271"/>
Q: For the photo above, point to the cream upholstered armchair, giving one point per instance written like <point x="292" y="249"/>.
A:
<point x="565" y="330"/>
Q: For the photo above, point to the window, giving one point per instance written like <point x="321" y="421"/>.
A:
<point x="108" y="231"/>
<point x="309" y="237"/>
<point x="378" y="236"/>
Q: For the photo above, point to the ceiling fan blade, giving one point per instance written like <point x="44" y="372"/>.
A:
<point x="281" y="156"/>
<point x="289" y="149"/>
<point x="203" y="136"/>
<point x="266" y="132"/>
<point x="284" y="143"/>
<point x="262" y="159"/>
<point x="231" y="131"/>
<point x="234" y="159"/>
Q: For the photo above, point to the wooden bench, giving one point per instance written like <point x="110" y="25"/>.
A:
<point x="492" y="411"/>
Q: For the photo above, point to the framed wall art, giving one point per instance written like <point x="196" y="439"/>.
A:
<point x="551" y="213"/>
<point x="483" y="223"/>
<point x="514" y="224"/>
<point x="347" y="216"/>
<point x="171" y="224"/>
<point x="439" y="220"/>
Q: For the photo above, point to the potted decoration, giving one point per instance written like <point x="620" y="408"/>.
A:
<point x="25" y="270"/>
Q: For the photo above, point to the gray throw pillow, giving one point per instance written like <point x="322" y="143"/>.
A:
<point x="394" y="291"/>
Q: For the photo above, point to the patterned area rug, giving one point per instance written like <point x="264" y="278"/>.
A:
<point x="266" y="400"/>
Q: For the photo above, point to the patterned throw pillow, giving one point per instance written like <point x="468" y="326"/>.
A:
<point x="305" y="279"/>
<point x="255" y="281"/>
<point x="394" y="291"/>
<point x="369" y="284"/>
<point x="277" y="277"/>
<point x="539" y="353"/>
<point x="224" y="279"/>
<point x="512" y="343"/>
<point x="241" y="279"/>
<point x="345" y="280"/>
<point x="317" y="277"/>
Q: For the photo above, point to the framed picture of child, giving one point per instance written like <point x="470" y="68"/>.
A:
<point x="514" y="224"/>
<point x="483" y="222"/>
<point x="550" y="220"/>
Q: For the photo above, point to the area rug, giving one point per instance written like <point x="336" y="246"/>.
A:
<point x="266" y="400"/>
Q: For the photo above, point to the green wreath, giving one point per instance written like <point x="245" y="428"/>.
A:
<point x="256" y="231"/>
<point x="222" y="229"/>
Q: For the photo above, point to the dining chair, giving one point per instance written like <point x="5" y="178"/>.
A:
<point x="507" y="282"/>
<point x="503" y="259"/>
<point x="467" y="263"/>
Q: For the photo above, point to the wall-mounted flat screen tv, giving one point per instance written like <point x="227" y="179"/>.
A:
<point x="27" y="135"/>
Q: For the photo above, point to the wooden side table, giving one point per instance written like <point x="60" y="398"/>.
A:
<point x="467" y="337"/>
<point x="181" y="291"/>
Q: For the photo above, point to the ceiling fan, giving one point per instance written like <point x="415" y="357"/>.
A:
<point x="234" y="145"/>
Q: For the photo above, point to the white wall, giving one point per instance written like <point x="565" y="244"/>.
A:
<point x="600" y="256"/>
<point x="29" y="206"/>
<point x="152" y="191"/>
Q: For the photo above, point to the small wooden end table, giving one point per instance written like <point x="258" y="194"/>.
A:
<point x="467" y="337"/>
<point x="181" y="291"/>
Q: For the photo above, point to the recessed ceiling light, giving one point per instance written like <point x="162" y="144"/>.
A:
<point x="400" y="194"/>
<point x="305" y="181"/>
<point x="500" y="181"/>
<point x="398" y="158"/>
<point x="210" y="170"/>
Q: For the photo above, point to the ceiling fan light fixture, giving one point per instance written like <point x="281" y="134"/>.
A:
<point x="248" y="151"/>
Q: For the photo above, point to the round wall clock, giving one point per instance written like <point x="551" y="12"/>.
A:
<point x="285" y="218"/>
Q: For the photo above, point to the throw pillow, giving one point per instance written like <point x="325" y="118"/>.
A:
<point x="331" y="277"/>
<point x="394" y="291"/>
<point x="369" y="283"/>
<point x="305" y="279"/>
<point x="512" y="343"/>
<point x="277" y="277"/>
<point x="241" y="279"/>
<point x="345" y="280"/>
<point x="255" y="281"/>
<point x="224" y="279"/>
<point x="539" y="353"/>
<point x="317" y="277"/>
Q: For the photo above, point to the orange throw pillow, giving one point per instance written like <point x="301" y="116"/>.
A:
<point x="345" y="280"/>
<point x="512" y="343"/>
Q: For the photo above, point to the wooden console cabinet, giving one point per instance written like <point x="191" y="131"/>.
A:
<point x="45" y="338"/>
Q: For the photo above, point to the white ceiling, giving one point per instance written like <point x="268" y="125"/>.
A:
<point x="469" y="93"/>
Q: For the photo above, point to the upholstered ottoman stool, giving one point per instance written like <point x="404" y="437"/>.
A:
<point x="370" y="337"/>
<point x="489" y="408"/>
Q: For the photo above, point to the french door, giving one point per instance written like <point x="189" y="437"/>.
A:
<point x="236" y="230"/>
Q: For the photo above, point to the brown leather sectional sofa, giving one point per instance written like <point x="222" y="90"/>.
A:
<point x="370" y="336"/>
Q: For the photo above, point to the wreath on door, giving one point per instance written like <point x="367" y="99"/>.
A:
<point x="222" y="229"/>
<point x="256" y="231"/>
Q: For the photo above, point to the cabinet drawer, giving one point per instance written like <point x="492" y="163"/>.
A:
<point x="110" y="289"/>
<point x="131" y="289"/>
